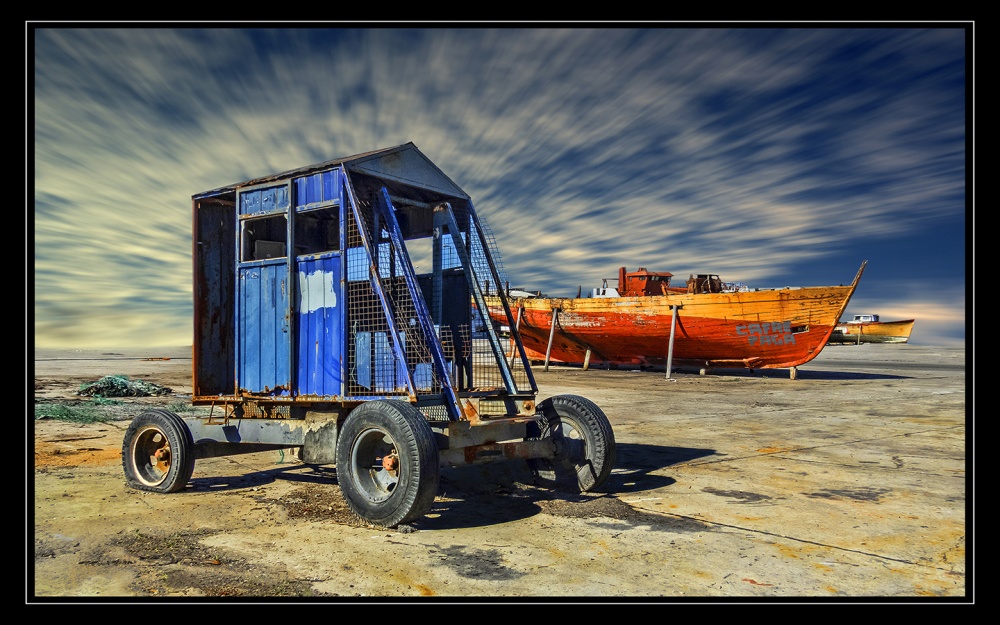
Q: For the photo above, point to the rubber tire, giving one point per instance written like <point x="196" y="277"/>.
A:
<point x="372" y="492"/>
<point x="149" y="432"/>
<point x="578" y="420"/>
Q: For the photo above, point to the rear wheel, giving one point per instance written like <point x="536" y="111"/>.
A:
<point x="387" y="463"/>
<point x="584" y="433"/>
<point x="158" y="452"/>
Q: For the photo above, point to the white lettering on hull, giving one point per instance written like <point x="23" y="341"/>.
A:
<point x="767" y="333"/>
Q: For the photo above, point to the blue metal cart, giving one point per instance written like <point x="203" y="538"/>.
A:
<point x="314" y="330"/>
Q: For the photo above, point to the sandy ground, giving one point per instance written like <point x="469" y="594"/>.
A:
<point x="847" y="483"/>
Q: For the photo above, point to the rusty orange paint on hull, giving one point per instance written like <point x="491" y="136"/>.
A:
<point x="747" y="329"/>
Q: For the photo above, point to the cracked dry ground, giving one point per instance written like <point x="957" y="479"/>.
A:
<point x="184" y="553"/>
<point x="844" y="483"/>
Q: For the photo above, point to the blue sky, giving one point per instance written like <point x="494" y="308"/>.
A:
<point x="780" y="156"/>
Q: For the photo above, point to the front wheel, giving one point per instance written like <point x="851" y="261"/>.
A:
<point x="158" y="452"/>
<point x="388" y="465"/>
<point x="584" y="433"/>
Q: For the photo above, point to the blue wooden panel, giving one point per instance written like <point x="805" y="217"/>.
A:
<point x="263" y="329"/>
<point x="321" y="187"/>
<point x="384" y="374"/>
<point x="320" y="335"/>
<point x="362" y="359"/>
<point x="331" y="185"/>
<point x="376" y="361"/>
<point x="313" y="190"/>
<point x="250" y="202"/>
<point x="264" y="200"/>
<point x="267" y="201"/>
<point x="423" y="376"/>
<point x="275" y="198"/>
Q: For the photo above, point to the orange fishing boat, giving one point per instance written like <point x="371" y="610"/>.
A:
<point x="870" y="329"/>
<point x="707" y="323"/>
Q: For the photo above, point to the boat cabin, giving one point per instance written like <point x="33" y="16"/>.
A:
<point x="704" y="283"/>
<point x="643" y="283"/>
<point x="864" y="319"/>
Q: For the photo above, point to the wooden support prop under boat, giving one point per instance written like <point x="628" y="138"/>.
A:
<point x="513" y="345"/>
<point x="552" y="334"/>
<point x="673" y="328"/>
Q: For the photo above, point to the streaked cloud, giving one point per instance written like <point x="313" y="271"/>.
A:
<point x="769" y="156"/>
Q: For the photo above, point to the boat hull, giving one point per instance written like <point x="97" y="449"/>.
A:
<point x="873" y="332"/>
<point x="761" y="329"/>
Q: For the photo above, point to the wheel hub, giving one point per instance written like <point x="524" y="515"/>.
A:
<point x="391" y="463"/>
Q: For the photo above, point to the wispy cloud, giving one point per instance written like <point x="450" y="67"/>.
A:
<point x="759" y="154"/>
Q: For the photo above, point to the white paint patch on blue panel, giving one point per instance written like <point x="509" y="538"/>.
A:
<point x="316" y="291"/>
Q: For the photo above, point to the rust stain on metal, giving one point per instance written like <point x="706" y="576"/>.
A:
<point x="391" y="463"/>
<point x="470" y="412"/>
<point x="512" y="451"/>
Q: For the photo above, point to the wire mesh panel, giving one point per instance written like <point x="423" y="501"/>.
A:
<point x="494" y="249"/>
<point x="374" y="369"/>
<point x="472" y="357"/>
<point x="484" y="359"/>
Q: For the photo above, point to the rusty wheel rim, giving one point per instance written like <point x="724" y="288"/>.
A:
<point x="150" y="455"/>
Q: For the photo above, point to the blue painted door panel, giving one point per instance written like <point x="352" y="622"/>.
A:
<point x="320" y="336"/>
<point x="263" y="329"/>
